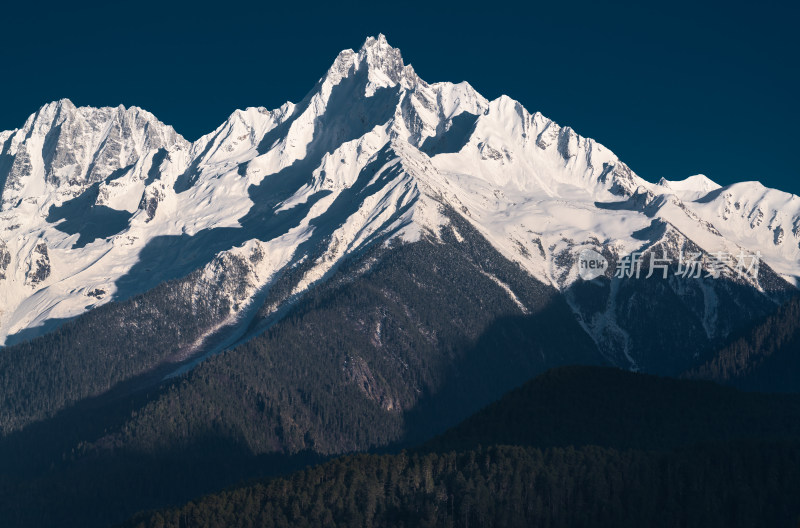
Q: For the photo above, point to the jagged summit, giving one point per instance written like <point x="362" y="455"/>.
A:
<point x="61" y="149"/>
<point x="382" y="58"/>
<point x="382" y="63"/>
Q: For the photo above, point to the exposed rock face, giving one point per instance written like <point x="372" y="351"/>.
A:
<point x="38" y="265"/>
<point x="5" y="259"/>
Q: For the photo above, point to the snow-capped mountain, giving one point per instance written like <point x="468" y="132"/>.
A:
<point x="102" y="204"/>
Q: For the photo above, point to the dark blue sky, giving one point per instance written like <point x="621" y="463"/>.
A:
<point x="673" y="88"/>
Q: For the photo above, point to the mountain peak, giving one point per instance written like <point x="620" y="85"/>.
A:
<point x="382" y="63"/>
<point x="377" y="49"/>
<point x="60" y="103"/>
<point x="376" y="42"/>
<point x="48" y="112"/>
<point x="385" y="63"/>
<point x="697" y="183"/>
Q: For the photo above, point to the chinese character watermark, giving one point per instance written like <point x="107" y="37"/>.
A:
<point x="690" y="265"/>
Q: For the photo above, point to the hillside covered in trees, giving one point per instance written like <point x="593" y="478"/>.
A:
<point x="721" y="486"/>
<point x="704" y="456"/>
<point x="765" y="357"/>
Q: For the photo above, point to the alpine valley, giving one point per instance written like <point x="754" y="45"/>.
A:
<point x="358" y="271"/>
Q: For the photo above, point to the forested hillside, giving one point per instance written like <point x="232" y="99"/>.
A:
<point x="693" y="464"/>
<point x="619" y="409"/>
<point x="418" y="342"/>
<point x="114" y="343"/>
<point x="765" y="357"/>
<point x="724" y="486"/>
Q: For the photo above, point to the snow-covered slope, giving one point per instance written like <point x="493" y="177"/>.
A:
<point x="759" y="219"/>
<point x="101" y="204"/>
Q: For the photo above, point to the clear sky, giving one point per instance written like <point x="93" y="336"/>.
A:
<point x="673" y="88"/>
